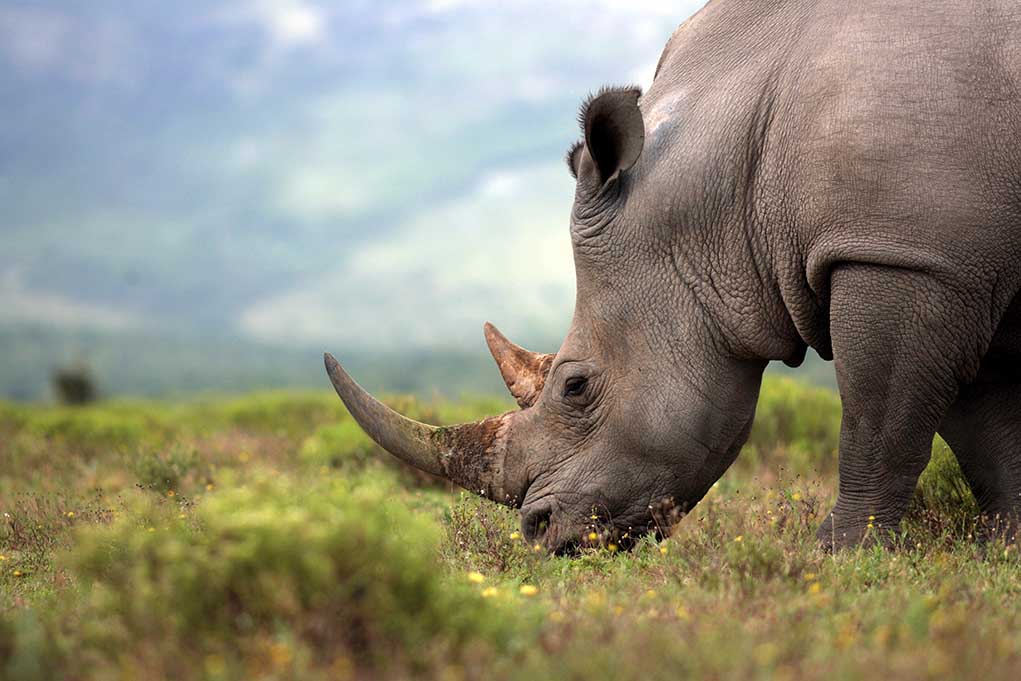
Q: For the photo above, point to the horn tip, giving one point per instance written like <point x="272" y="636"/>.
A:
<point x="333" y="369"/>
<point x="492" y="333"/>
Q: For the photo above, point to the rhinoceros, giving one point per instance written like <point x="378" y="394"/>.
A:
<point x="801" y="174"/>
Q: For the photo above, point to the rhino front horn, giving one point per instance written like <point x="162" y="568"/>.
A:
<point x="523" y="371"/>
<point x="473" y="455"/>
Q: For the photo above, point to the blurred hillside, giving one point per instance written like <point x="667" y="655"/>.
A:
<point x="150" y="364"/>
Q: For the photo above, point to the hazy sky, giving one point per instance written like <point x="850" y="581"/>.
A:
<point x="365" y="173"/>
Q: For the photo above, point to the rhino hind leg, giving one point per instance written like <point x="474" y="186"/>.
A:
<point x="903" y="343"/>
<point x="983" y="427"/>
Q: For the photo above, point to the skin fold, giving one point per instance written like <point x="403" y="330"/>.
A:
<point x="840" y="176"/>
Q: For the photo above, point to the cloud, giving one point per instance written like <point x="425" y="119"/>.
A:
<point x="18" y="304"/>
<point x="501" y="253"/>
<point x="95" y="50"/>
<point x="282" y="27"/>
<point x="321" y="191"/>
<point x="32" y="38"/>
<point x="286" y="23"/>
<point x="292" y="22"/>
<point x="651" y="8"/>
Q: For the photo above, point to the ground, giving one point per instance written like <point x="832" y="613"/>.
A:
<point x="264" y="537"/>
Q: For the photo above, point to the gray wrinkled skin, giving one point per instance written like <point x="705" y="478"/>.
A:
<point x="844" y="176"/>
<point x="841" y="176"/>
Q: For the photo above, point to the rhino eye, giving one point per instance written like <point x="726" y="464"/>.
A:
<point x="575" y="386"/>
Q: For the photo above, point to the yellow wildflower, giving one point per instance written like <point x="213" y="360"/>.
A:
<point x="528" y="590"/>
<point x="215" y="665"/>
<point x="152" y="529"/>
<point x="209" y="487"/>
<point x="663" y="550"/>
<point x="489" y="592"/>
<point x="612" y="547"/>
<point x="739" y="538"/>
<point x="281" y="654"/>
<point x="796" y="496"/>
<point x="809" y="576"/>
<point x="17" y="573"/>
<point x="70" y="514"/>
<point x="170" y="493"/>
<point x="537" y="548"/>
<point x="871" y="518"/>
<point x="515" y="535"/>
<point x="814" y="587"/>
<point x="592" y="536"/>
<point x="476" y="577"/>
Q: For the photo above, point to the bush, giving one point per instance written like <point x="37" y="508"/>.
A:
<point x="164" y="470"/>
<point x="26" y="653"/>
<point x="943" y="498"/>
<point x="74" y="385"/>
<point x="796" y="427"/>
<point x="342" y="445"/>
<point x="485" y="537"/>
<point x="288" y="413"/>
<point x="275" y="575"/>
<point x="90" y="431"/>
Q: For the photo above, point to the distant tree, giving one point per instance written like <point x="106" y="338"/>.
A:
<point x="74" y="384"/>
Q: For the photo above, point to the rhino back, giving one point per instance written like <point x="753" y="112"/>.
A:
<point x="877" y="131"/>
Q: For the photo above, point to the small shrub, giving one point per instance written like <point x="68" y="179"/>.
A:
<point x="87" y="433"/>
<point x="483" y="536"/>
<point x="26" y="652"/>
<point x="281" y="412"/>
<point x="342" y="445"/>
<point x="796" y="426"/>
<point x="943" y="499"/>
<point x="74" y="385"/>
<point x="164" y="470"/>
<point x="337" y="572"/>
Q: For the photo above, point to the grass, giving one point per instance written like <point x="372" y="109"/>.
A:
<point x="265" y="537"/>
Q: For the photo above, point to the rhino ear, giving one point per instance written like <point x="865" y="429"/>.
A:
<point x="614" y="134"/>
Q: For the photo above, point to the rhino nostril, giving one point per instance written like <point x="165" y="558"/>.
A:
<point x="534" y="523"/>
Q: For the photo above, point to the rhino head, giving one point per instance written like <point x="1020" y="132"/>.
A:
<point x="644" y="403"/>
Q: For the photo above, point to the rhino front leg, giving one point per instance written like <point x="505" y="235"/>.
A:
<point x="902" y="344"/>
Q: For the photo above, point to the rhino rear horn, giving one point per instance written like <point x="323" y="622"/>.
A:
<point x="523" y="371"/>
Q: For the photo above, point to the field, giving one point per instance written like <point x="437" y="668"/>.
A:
<point x="264" y="537"/>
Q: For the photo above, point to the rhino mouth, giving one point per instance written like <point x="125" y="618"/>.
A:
<point x="562" y="537"/>
<point x="573" y="543"/>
